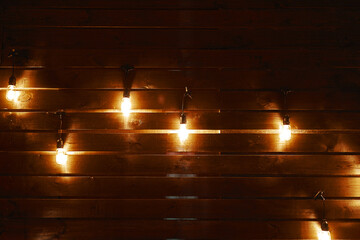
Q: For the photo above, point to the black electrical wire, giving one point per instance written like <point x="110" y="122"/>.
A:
<point x="186" y="94"/>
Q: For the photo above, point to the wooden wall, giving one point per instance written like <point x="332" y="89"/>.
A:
<point x="132" y="179"/>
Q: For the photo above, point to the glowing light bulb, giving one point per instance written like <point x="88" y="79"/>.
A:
<point x="61" y="156"/>
<point x="126" y="106"/>
<point x="285" y="133"/>
<point x="183" y="132"/>
<point x="285" y="129"/>
<point x="324" y="235"/>
<point x="11" y="94"/>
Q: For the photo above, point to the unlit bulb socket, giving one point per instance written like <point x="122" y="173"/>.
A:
<point x="324" y="225"/>
<point x="60" y="143"/>
<point x="182" y="118"/>
<point x="286" y="120"/>
<point x="12" y="80"/>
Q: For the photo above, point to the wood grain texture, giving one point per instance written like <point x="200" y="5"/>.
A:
<point x="168" y="143"/>
<point x="302" y="121"/>
<point x="289" y="59"/>
<point x="187" y="4"/>
<point x="131" y="178"/>
<point x="242" y="18"/>
<point x="161" y="209"/>
<point x="117" y="229"/>
<point x="343" y="38"/>
<point x="170" y="100"/>
<point x="115" y="164"/>
<point x="245" y="79"/>
<point x="200" y="187"/>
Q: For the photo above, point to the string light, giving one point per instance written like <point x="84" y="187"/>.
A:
<point x="11" y="93"/>
<point x="126" y="102"/>
<point x="324" y="234"/>
<point x="126" y="106"/>
<point x="285" y="129"/>
<point x="183" y="133"/>
<point x="61" y="156"/>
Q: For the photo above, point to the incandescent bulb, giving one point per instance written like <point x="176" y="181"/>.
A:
<point x="11" y="94"/>
<point x="324" y="235"/>
<point x="126" y="106"/>
<point x="285" y="132"/>
<point x="61" y="157"/>
<point x="183" y="132"/>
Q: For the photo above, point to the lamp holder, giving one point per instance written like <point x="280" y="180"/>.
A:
<point x="60" y="143"/>
<point x="286" y="120"/>
<point x="324" y="225"/>
<point x="126" y="93"/>
<point x="12" y="80"/>
<point x="183" y="118"/>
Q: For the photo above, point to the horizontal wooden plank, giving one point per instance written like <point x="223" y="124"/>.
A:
<point x="115" y="229"/>
<point x="300" y="100"/>
<point x="179" y="165"/>
<point x="179" y="209"/>
<point x="179" y="78"/>
<point x="167" y="143"/>
<point x="190" y="58"/>
<point x="88" y="99"/>
<point x="139" y="4"/>
<point x="289" y="4"/>
<point x="184" y="4"/>
<point x="170" y="100"/>
<point x="204" y="187"/>
<point x="301" y="121"/>
<point x="180" y="38"/>
<point x="244" y="18"/>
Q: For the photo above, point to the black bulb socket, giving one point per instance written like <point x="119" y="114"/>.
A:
<point x="12" y="80"/>
<point x="60" y="143"/>
<point x="286" y="120"/>
<point x="183" y="118"/>
<point x="126" y="93"/>
<point x="324" y="225"/>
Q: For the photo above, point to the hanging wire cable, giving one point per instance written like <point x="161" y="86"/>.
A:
<point x="60" y="124"/>
<point x="61" y="156"/>
<point x="324" y="234"/>
<point x="183" y="132"/>
<point x="126" y="103"/>
<point x="186" y="94"/>
<point x="126" y="69"/>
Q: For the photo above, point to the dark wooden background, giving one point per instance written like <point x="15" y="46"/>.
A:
<point x="132" y="179"/>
